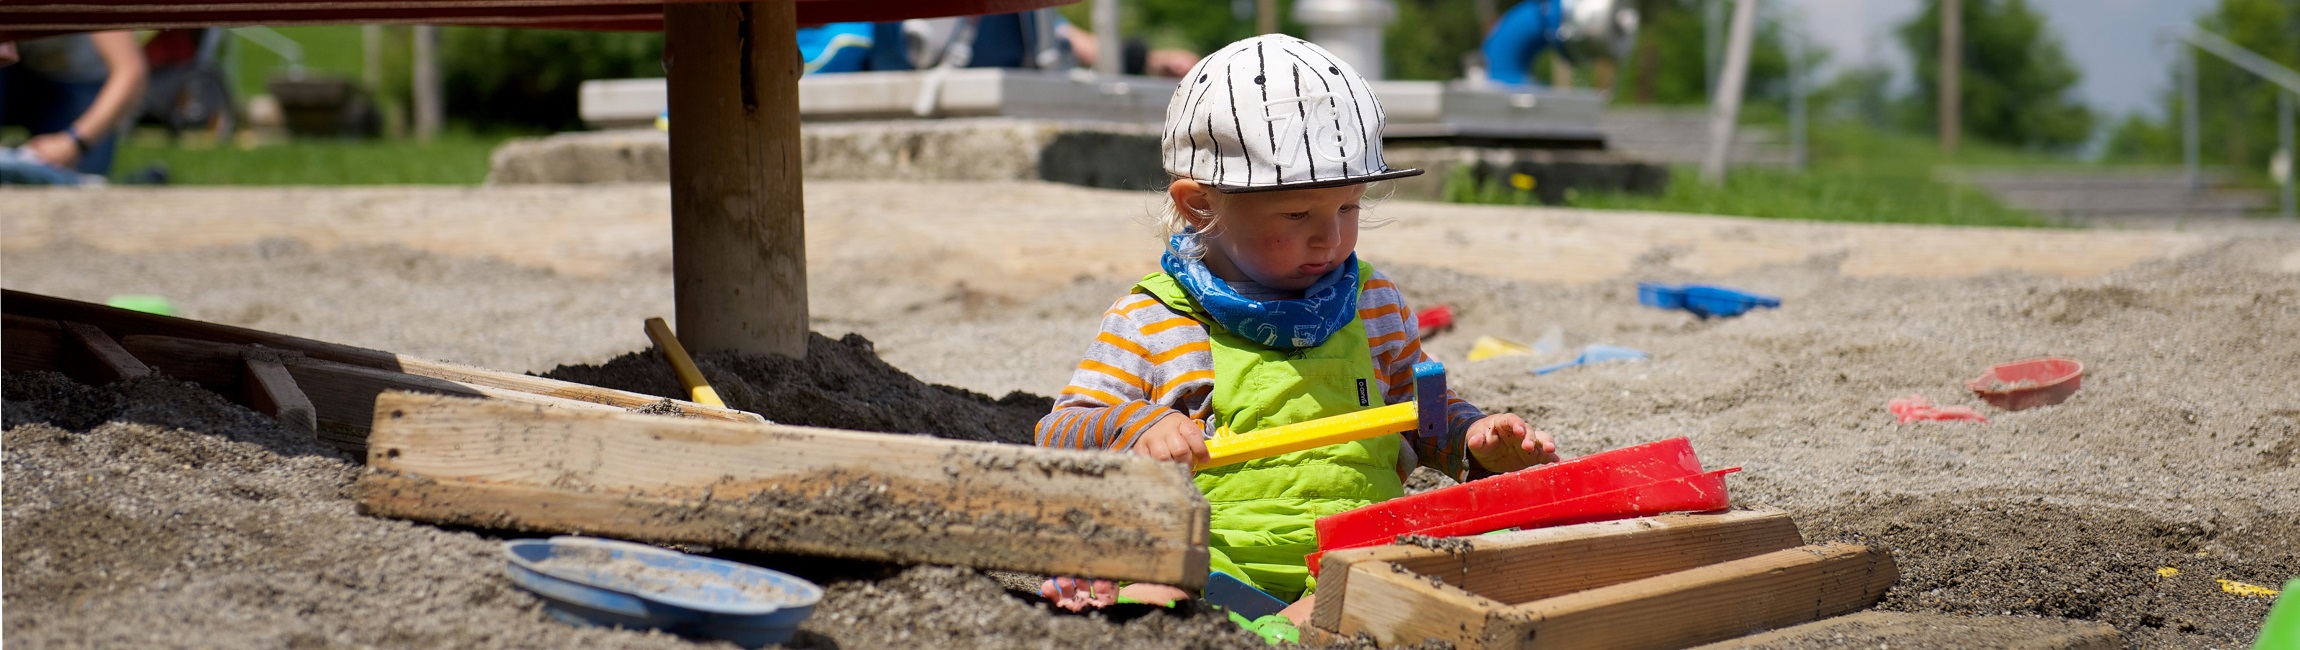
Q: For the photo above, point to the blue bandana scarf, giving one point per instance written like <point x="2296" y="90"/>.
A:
<point x="1327" y="306"/>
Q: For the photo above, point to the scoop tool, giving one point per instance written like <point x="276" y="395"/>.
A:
<point x="1638" y="481"/>
<point x="1426" y="413"/>
<point x="698" y="389"/>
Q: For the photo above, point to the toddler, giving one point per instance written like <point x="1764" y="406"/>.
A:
<point x="1264" y="316"/>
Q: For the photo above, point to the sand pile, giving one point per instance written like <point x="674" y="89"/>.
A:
<point x="840" y="384"/>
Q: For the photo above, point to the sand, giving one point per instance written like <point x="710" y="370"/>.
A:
<point x="154" y="512"/>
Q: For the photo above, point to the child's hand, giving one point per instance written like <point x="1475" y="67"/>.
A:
<point x="1505" y="443"/>
<point x="1175" y="437"/>
<point x="1076" y="594"/>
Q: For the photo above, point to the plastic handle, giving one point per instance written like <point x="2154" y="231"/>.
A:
<point x="682" y="365"/>
<point x="1230" y="448"/>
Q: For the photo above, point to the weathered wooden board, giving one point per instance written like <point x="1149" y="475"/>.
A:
<point x="123" y="324"/>
<point x="1517" y="567"/>
<point x="272" y="391"/>
<point x="1673" y="610"/>
<point x="96" y="356"/>
<point x="31" y="344"/>
<point x="1880" y="629"/>
<point x="342" y="396"/>
<point x="784" y="489"/>
<point x="1710" y="603"/>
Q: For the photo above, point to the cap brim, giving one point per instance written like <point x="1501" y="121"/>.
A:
<point x="1312" y="185"/>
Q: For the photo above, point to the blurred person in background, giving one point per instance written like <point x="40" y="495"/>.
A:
<point x="72" y="93"/>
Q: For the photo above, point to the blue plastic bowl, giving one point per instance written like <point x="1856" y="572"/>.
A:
<point x="707" y="602"/>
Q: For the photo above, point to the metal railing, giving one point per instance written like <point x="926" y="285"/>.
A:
<point x="2259" y="66"/>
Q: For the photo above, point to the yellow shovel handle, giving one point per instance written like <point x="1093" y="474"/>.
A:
<point x="681" y="365"/>
<point x="1229" y="448"/>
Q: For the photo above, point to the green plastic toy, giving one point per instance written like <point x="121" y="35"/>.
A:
<point x="1274" y="628"/>
<point x="147" y="303"/>
<point x="2282" y="629"/>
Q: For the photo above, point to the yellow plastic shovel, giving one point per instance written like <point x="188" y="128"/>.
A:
<point x="681" y="365"/>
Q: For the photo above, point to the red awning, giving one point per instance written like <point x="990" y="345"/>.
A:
<point x="21" y="19"/>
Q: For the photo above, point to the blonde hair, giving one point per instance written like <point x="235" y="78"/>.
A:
<point x="1173" y="219"/>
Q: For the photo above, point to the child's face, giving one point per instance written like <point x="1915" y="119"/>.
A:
<point x="1283" y="240"/>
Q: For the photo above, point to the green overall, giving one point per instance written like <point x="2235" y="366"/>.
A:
<point x="1263" y="510"/>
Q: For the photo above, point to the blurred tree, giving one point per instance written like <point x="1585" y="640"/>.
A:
<point x="1430" y="37"/>
<point x="1669" y="64"/>
<point x="527" y="78"/>
<point x="1860" y="94"/>
<point x="2016" y="79"/>
<point x="2238" y="111"/>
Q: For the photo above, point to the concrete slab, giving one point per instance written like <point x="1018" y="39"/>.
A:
<point x="1092" y="154"/>
<point x="1413" y="109"/>
<point x="1105" y="155"/>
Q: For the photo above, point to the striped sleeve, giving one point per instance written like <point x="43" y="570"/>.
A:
<point x="1396" y="344"/>
<point x="1147" y="361"/>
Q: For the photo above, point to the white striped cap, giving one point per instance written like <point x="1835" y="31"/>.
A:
<point x="1274" y="112"/>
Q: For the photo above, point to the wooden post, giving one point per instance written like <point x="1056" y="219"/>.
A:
<point x="1725" y="106"/>
<point x="1266" y="16"/>
<point x="428" y="114"/>
<point x="1952" y="71"/>
<point x="738" y="235"/>
<point x="371" y="59"/>
<point x="1109" y="48"/>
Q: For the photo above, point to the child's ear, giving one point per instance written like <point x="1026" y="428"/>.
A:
<point x="1194" y="200"/>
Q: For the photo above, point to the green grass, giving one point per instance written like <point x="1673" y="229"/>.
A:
<point x="1856" y="174"/>
<point x="456" y="158"/>
<point x="333" y="49"/>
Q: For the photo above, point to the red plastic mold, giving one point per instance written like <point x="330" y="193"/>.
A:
<point x="1638" y="481"/>
<point x="2029" y="384"/>
<point x="1434" y="319"/>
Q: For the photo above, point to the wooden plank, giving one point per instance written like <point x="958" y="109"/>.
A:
<point x="1710" y="603"/>
<point x="1396" y="605"/>
<point x="785" y="489"/>
<point x="564" y="389"/>
<point x="1879" y="629"/>
<point x="272" y="391"/>
<point x="95" y="355"/>
<point x="738" y="236"/>
<point x="31" y="344"/>
<point x="126" y="324"/>
<point x="1528" y="565"/>
<point x="342" y="395"/>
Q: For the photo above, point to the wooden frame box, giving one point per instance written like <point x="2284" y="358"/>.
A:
<point x="1657" y="582"/>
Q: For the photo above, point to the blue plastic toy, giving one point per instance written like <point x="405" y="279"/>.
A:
<point x="707" y="599"/>
<point x="1593" y="354"/>
<point x="1235" y="595"/>
<point x="1704" y="300"/>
